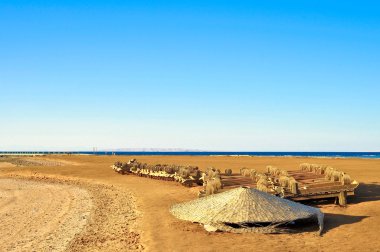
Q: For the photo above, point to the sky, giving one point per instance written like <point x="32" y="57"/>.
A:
<point x="209" y="75"/>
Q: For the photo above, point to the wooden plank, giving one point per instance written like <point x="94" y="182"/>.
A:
<point x="316" y="196"/>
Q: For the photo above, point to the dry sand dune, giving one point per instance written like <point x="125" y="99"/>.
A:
<point x="115" y="224"/>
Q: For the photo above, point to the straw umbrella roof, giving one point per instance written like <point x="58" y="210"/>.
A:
<point x="244" y="205"/>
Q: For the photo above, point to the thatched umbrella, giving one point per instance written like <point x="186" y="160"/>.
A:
<point x="249" y="208"/>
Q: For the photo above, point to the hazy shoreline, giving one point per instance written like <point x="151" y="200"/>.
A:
<point x="322" y="155"/>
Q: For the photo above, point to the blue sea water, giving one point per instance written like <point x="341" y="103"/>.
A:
<point x="268" y="154"/>
<point x="209" y="153"/>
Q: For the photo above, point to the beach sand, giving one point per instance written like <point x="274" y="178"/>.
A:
<point x="131" y="213"/>
<point x="41" y="216"/>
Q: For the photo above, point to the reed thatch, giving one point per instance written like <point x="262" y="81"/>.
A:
<point x="246" y="173"/>
<point x="228" y="172"/>
<point x="245" y="207"/>
<point x="242" y="170"/>
<point x="213" y="186"/>
<point x="345" y="179"/>
<point x="328" y="172"/>
<point x="335" y="176"/>
<point x="293" y="185"/>
<point x="284" y="181"/>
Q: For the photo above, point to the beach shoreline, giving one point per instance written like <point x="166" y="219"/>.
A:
<point x="364" y="155"/>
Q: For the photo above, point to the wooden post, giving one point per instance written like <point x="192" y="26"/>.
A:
<point x="294" y="188"/>
<point x="343" y="198"/>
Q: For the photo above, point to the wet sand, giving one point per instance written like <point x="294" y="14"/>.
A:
<point x="151" y="227"/>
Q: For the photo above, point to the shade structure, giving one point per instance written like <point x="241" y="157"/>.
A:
<point x="245" y="205"/>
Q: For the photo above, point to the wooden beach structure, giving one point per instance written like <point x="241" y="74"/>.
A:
<point x="315" y="187"/>
<point x="310" y="185"/>
<point x="310" y="182"/>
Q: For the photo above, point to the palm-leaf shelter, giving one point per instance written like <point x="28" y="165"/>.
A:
<point x="245" y="209"/>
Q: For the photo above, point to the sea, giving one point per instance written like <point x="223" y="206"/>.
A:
<point x="215" y="153"/>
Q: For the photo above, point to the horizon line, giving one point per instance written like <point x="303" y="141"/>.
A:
<point x="174" y="151"/>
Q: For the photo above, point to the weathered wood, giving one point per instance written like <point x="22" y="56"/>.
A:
<point x="343" y="198"/>
<point x="311" y="190"/>
<point x="315" y="186"/>
<point x="309" y="186"/>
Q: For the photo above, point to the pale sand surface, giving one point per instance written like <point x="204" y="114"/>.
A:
<point x="6" y="164"/>
<point x="37" y="216"/>
<point x="52" y="213"/>
<point x="151" y="226"/>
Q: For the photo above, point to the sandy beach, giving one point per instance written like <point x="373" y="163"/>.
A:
<point x="82" y="205"/>
<point x="41" y="216"/>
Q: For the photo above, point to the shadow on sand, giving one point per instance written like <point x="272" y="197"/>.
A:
<point x="336" y="220"/>
<point x="366" y="192"/>
<point x="331" y="221"/>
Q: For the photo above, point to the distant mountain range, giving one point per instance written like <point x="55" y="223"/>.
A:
<point x="151" y="150"/>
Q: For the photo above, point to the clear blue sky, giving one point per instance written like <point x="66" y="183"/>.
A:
<point x="212" y="75"/>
